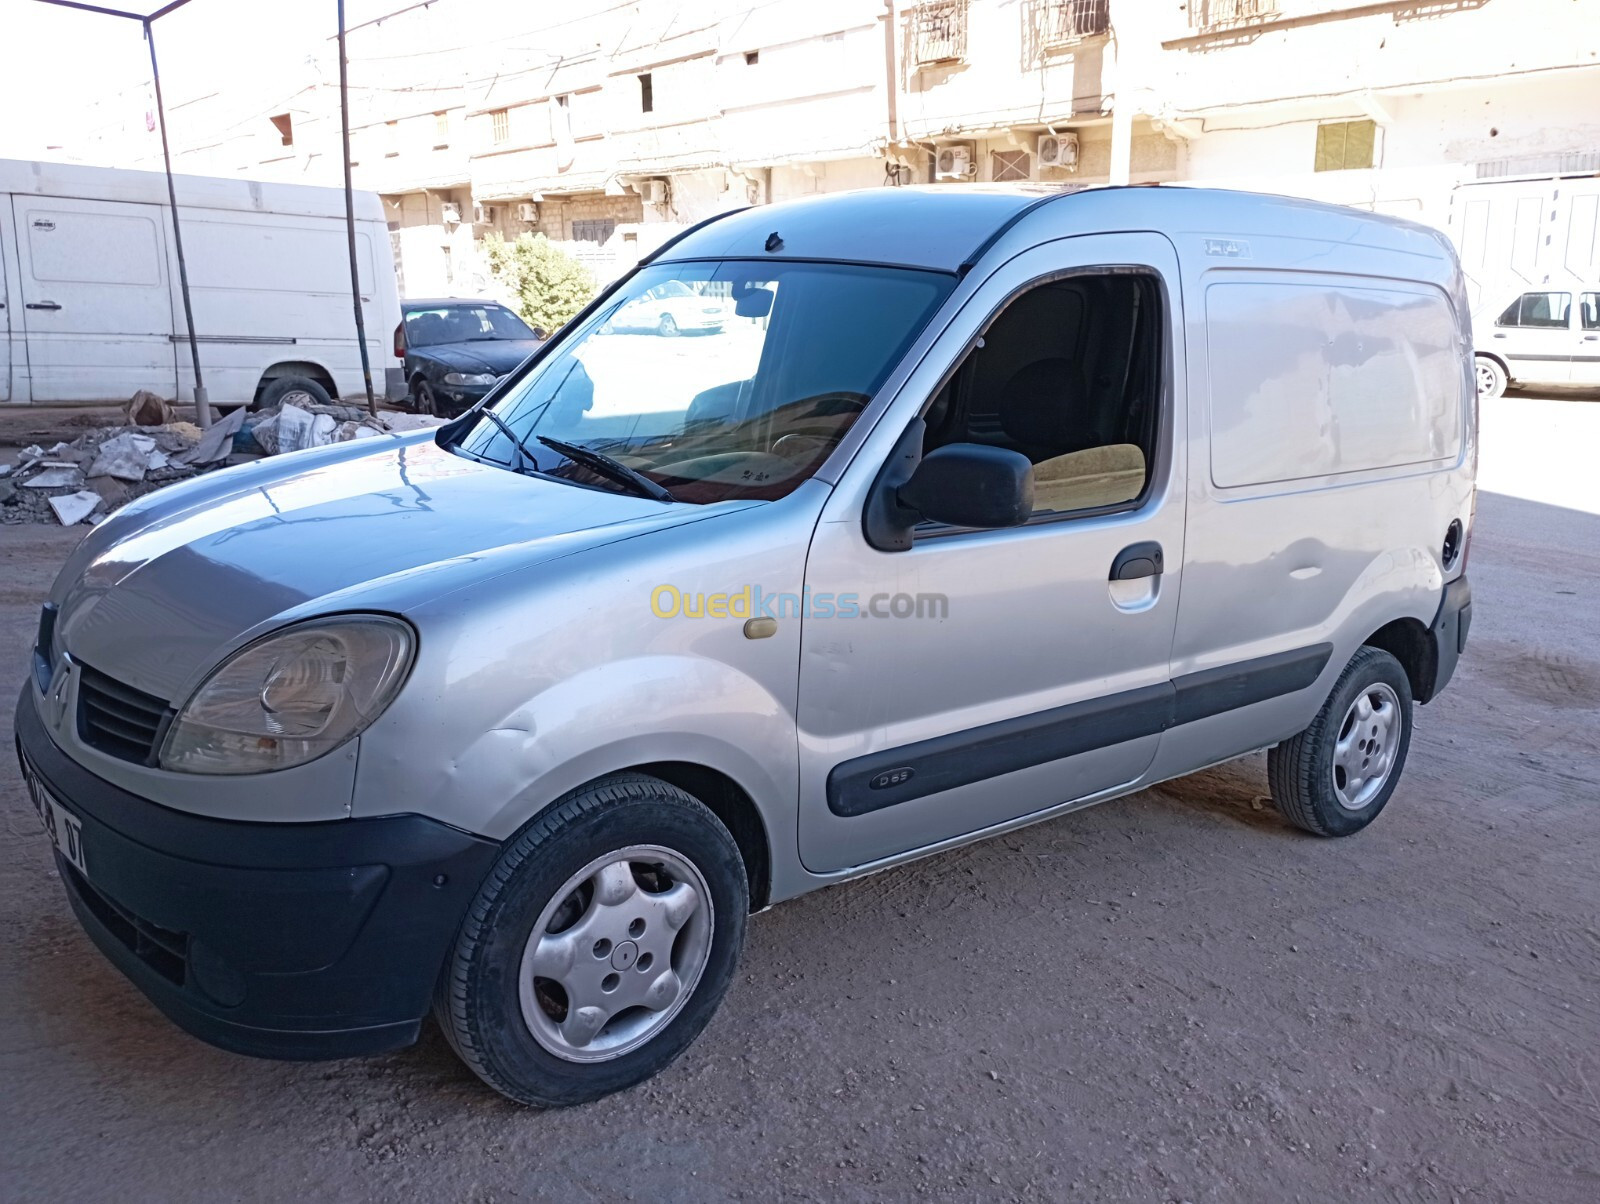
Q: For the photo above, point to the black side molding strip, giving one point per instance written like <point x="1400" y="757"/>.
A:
<point x="913" y="771"/>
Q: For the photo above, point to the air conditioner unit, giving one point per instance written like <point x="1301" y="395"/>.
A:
<point x="653" y="192"/>
<point x="1059" y="150"/>
<point x="952" y="163"/>
<point x="527" y="211"/>
<point x="483" y="215"/>
<point x="451" y="212"/>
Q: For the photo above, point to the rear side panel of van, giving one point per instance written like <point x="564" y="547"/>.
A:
<point x="1333" y="411"/>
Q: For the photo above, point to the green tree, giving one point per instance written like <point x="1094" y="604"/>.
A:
<point x="550" y="285"/>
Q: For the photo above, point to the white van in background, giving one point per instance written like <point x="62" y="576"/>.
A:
<point x="90" y="304"/>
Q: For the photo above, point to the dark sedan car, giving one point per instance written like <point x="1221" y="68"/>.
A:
<point x="456" y="350"/>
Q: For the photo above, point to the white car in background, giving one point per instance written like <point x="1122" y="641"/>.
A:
<point x="671" y="309"/>
<point x="1547" y="337"/>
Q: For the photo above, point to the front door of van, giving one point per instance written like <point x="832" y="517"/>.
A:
<point x="983" y="676"/>
<point x="97" y="306"/>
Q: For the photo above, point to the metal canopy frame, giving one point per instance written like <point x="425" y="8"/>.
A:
<point x="202" y="405"/>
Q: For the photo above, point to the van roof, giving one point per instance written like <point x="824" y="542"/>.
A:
<point x="30" y="178"/>
<point x="947" y="227"/>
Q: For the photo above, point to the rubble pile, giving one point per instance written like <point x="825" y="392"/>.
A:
<point x="89" y="477"/>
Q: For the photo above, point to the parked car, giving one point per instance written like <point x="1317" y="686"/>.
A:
<point x="91" y="309"/>
<point x="1538" y="338"/>
<point x="670" y="308"/>
<point x="518" y="719"/>
<point x="456" y="350"/>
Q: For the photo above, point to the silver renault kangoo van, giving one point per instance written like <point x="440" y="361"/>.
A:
<point x="977" y="506"/>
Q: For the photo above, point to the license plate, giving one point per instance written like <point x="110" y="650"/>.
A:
<point x="64" y="828"/>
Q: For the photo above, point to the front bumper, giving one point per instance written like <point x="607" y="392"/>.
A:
<point x="304" y="940"/>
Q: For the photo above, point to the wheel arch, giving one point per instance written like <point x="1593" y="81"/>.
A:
<point x="310" y="369"/>
<point x="1409" y="642"/>
<point x="1497" y="359"/>
<point x="737" y="810"/>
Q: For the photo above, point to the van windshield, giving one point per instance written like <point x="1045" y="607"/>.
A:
<point x="712" y="381"/>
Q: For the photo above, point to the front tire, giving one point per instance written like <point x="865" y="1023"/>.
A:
<point x="1491" y="377"/>
<point x="599" y="945"/>
<point x="423" y="400"/>
<point x="1334" y="777"/>
<point x="668" y="326"/>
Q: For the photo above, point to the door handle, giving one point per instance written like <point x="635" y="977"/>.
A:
<point x="1137" y="560"/>
<point x="42" y="305"/>
<point x="1499" y="336"/>
<point x="1591" y="338"/>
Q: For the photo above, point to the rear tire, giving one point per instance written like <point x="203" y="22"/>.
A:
<point x="292" y="390"/>
<point x="1334" y="777"/>
<point x="650" y="893"/>
<point x="1492" y="378"/>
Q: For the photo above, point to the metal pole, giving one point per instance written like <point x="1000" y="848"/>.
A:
<point x="202" y="407"/>
<point x="350" y="216"/>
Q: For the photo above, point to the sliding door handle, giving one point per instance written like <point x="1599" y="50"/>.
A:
<point x="1137" y="560"/>
<point x="42" y="305"/>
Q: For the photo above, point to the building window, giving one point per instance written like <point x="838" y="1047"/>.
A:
<point x="1061" y="23"/>
<point x="1222" y="14"/>
<point x="939" y="32"/>
<point x="391" y="139"/>
<point x="560" y="119"/>
<point x="1344" y="145"/>
<point x="752" y="57"/>
<point x="284" y="124"/>
<point x="593" y="229"/>
<point x="1008" y="166"/>
<point x="647" y="94"/>
<point x="441" y="131"/>
<point x="500" y="125"/>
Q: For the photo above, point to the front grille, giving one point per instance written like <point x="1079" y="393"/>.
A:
<point x="118" y="720"/>
<point x="162" y="949"/>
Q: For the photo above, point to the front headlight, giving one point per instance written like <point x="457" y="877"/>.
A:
<point x="291" y="696"/>
<point x="470" y="378"/>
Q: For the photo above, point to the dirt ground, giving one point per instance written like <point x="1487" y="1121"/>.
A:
<point x="1172" y="997"/>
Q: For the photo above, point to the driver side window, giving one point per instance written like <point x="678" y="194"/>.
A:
<point x="1068" y="374"/>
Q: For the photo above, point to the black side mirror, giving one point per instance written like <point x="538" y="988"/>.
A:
<point x="963" y="484"/>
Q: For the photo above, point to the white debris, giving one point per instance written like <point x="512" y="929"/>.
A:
<point x="156" y="459"/>
<point x="293" y="429"/>
<point x="5" y="471"/>
<point x="125" y="456"/>
<point x="73" y="508"/>
<point x="410" y="422"/>
<point x="54" y="478"/>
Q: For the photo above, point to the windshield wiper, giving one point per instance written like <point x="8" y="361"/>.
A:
<point x="522" y="448"/>
<point x="607" y="467"/>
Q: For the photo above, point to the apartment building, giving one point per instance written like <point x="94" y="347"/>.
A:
<point x="610" y="126"/>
